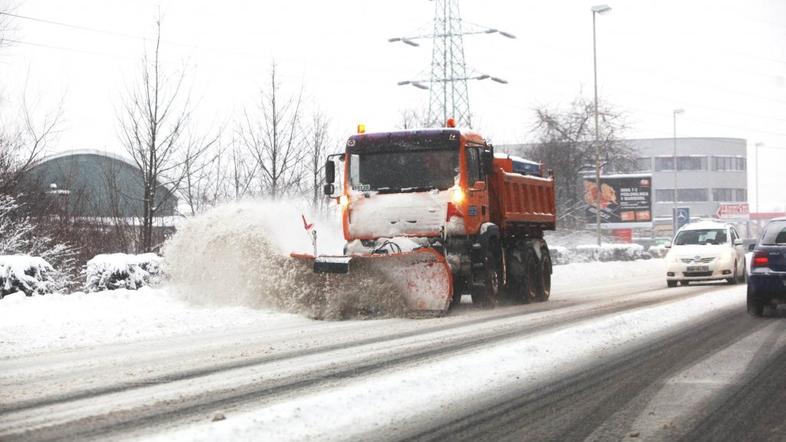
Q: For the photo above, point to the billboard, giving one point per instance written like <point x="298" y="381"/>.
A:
<point x="625" y="201"/>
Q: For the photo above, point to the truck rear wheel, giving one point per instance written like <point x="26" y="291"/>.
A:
<point x="544" y="289"/>
<point x="516" y="284"/>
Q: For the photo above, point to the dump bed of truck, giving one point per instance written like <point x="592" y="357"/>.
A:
<point x="522" y="200"/>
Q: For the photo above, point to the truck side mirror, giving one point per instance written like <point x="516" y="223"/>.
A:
<point x="329" y="189"/>
<point x="487" y="160"/>
<point x="330" y="173"/>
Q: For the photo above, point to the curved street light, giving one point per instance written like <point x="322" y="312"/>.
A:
<point x="599" y="9"/>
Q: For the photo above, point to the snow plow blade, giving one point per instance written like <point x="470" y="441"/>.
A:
<point x="421" y="277"/>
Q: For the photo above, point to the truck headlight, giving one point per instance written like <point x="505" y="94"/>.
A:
<point x="457" y="195"/>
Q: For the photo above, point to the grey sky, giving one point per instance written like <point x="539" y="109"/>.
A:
<point x="724" y="62"/>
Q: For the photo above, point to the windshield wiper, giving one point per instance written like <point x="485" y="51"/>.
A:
<point x="417" y="189"/>
<point x="404" y="189"/>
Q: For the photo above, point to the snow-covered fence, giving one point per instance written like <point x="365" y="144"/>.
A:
<point x="122" y="271"/>
<point x="31" y="275"/>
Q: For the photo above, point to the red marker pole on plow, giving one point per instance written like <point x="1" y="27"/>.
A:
<point x="311" y="232"/>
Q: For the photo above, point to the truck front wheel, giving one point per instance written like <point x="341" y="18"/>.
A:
<point x="485" y="290"/>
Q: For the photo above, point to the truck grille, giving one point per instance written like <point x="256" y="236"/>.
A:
<point x="700" y="260"/>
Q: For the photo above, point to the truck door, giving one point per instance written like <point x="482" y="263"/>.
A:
<point x="477" y="198"/>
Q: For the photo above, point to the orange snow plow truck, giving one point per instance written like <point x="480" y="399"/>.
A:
<point x="437" y="214"/>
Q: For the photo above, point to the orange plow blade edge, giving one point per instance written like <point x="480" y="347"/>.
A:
<point x="421" y="277"/>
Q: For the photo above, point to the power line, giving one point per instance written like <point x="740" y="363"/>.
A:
<point x="68" y="25"/>
<point x="63" y="48"/>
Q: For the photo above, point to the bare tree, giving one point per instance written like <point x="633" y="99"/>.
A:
<point x="411" y="119"/>
<point x="22" y="147"/>
<point x="317" y="154"/>
<point x="274" y="138"/>
<point x="153" y="121"/>
<point x="242" y="171"/>
<point x="203" y="174"/>
<point x="567" y="145"/>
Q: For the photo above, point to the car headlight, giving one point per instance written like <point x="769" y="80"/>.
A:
<point x="725" y="259"/>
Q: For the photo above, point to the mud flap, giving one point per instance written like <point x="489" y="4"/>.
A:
<point x="421" y="277"/>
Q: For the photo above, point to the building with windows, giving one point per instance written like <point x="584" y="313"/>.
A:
<point x="707" y="172"/>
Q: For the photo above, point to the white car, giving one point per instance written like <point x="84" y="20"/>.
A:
<point x="705" y="251"/>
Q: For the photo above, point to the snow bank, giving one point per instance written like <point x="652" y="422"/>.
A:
<point x="122" y="271"/>
<point x="62" y="322"/>
<point x="28" y="274"/>
<point x="238" y="254"/>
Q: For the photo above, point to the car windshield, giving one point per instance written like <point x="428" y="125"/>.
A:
<point x="701" y="236"/>
<point x="775" y="233"/>
<point x="401" y="171"/>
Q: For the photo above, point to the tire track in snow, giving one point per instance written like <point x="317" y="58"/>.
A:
<point x="575" y="406"/>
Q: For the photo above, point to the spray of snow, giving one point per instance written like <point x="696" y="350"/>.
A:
<point x="238" y="254"/>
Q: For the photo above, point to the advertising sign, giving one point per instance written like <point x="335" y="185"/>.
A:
<point x="625" y="201"/>
<point x="732" y="211"/>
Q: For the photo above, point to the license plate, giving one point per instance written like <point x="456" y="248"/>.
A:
<point x="698" y="268"/>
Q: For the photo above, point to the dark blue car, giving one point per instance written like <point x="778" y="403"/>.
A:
<point x="767" y="277"/>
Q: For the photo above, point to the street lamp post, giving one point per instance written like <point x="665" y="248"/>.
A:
<point x="758" y="197"/>
<point x="674" y="114"/>
<point x="599" y="9"/>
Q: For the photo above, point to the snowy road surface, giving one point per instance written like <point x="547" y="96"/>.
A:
<point x="613" y="355"/>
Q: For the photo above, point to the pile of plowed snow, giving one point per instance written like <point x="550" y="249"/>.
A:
<point x="238" y="254"/>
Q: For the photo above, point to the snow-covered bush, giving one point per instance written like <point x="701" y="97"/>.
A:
<point x="658" y="251"/>
<point x="559" y="255"/>
<point x="31" y="275"/>
<point x="122" y="271"/>
<point x="610" y="252"/>
<point x="18" y="236"/>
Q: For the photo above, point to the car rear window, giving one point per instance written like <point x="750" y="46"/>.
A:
<point x="775" y="233"/>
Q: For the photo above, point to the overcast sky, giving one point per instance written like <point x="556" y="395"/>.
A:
<point x="724" y="62"/>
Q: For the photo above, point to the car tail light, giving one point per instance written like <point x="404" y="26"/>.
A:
<point x="760" y="259"/>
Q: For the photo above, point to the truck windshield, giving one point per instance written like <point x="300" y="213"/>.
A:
<point x="404" y="171"/>
<point x="703" y="236"/>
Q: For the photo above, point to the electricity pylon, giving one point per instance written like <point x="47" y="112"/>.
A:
<point x="447" y="84"/>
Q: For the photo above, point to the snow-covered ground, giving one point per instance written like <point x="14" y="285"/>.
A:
<point x="57" y="322"/>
